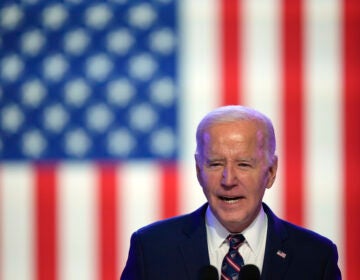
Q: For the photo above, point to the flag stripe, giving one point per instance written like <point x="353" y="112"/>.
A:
<point x="107" y="220"/>
<point x="141" y="204"/>
<point x="293" y="109"/>
<point x="322" y="85"/>
<point x="231" y="19"/>
<point x="46" y="221"/>
<point x="351" y="29"/>
<point x="17" y="205"/>
<point x="262" y="72"/>
<point x="78" y="223"/>
<point x="169" y="190"/>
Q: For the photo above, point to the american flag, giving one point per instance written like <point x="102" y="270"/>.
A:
<point x="99" y="104"/>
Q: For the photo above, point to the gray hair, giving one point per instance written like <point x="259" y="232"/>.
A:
<point x="233" y="113"/>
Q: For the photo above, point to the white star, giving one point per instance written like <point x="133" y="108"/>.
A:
<point x="119" y="41"/>
<point x="54" y="16"/>
<point x="99" y="117"/>
<point x="143" y="117"/>
<point x="11" y="118"/>
<point x="77" y="143"/>
<point x="55" y="118"/>
<point x="76" y="92"/>
<point x="98" y="16"/>
<point x="76" y="41"/>
<point x="11" y="67"/>
<point x="120" y="142"/>
<point x="162" y="92"/>
<point x="98" y="67"/>
<point x="33" y="143"/>
<point x="162" y="142"/>
<point x="142" y="16"/>
<point x="162" y="41"/>
<point x="54" y="67"/>
<point x="33" y="93"/>
<point x="120" y="92"/>
<point x="32" y="42"/>
<point x="11" y="16"/>
<point x="142" y="66"/>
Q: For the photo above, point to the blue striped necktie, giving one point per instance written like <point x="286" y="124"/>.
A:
<point x="233" y="261"/>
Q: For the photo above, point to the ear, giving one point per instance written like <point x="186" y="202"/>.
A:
<point x="198" y="168"/>
<point x="272" y="169"/>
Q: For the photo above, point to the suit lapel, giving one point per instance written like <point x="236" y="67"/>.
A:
<point x="194" y="248"/>
<point x="277" y="254"/>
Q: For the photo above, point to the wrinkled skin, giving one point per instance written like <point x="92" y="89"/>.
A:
<point x="234" y="171"/>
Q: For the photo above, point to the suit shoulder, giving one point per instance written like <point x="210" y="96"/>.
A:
<point x="182" y="223"/>
<point x="306" y="236"/>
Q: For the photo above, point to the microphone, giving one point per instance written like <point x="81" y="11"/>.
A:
<point x="249" y="272"/>
<point x="208" y="272"/>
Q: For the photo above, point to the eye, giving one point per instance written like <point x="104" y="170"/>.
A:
<point x="244" y="164"/>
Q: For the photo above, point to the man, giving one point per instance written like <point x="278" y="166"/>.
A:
<point x="235" y="164"/>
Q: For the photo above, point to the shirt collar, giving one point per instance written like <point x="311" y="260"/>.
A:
<point x="253" y="234"/>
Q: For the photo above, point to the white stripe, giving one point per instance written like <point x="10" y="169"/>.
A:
<point x="198" y="83"/>
<point x="323" y="118"/>
<point x="262" y="72"/>
<point x="140" y="203"/>
<point x="17" y="222"/>
<point x="78" y="256"/>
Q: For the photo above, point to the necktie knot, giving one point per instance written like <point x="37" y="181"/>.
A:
<point x="235" y="240"/>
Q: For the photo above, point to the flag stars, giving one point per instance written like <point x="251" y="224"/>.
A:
<point x="11" y="16"/>
<point x="119" y="41"/>
<point x="121" y="142"/>
<point x="99" y="117"/>
<point x="142" y="66"/>
<point x="33" y="93"/>
<point x="11" y="67"/>
<point x="76" y="41"/>
<point x="143" y="117"/>
<point x="33" y="143"/>
<point x="11" y="118"/>
<point x="76" y="92"/>
<point x="162" y="142"/>
<point x="142" y="16"/>
<point x="120" y="92"/>
<point x="77" y="143"/>
<point x="163" y="41"/>
<point x="54" y="16"/>
<point x="98" y="16"/>
<point x="162" y="92"/>
<point x="98" y="67"/>
<point x="32" y="42"/>
<point x="55" y="118"/>
<point x="54" y="67"/>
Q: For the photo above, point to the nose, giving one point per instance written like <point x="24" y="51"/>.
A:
<point x="229" y="177"/>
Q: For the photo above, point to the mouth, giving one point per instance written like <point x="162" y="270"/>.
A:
<point x="231" y="200"/>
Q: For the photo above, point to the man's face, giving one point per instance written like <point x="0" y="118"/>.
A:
<point x="234" y="173"/>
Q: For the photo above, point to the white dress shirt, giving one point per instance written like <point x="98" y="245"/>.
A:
<point x="252" y="251"/>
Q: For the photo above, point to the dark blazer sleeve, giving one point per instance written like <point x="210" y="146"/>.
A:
<point x="173" y="249"/>
<point x="134" y="268"/>
<point x="297" y="253"/>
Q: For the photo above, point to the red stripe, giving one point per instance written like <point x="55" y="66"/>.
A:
<point x="108" y="220"/>
<point x="352" y="136"/>
<point x="45" y="213"/>
<point x="293" y="110"/>
<point x="170" y="190"/>
<point x="230" y="18"/>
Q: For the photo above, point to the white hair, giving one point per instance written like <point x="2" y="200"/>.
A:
<point x="234" y="113"/>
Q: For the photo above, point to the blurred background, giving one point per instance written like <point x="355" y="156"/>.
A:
<point x="99" y="104"/>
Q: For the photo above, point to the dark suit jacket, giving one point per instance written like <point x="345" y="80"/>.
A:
<point x="177" y="249"/>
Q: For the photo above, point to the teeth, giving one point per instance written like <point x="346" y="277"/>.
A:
<point x="230" y="200"/>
